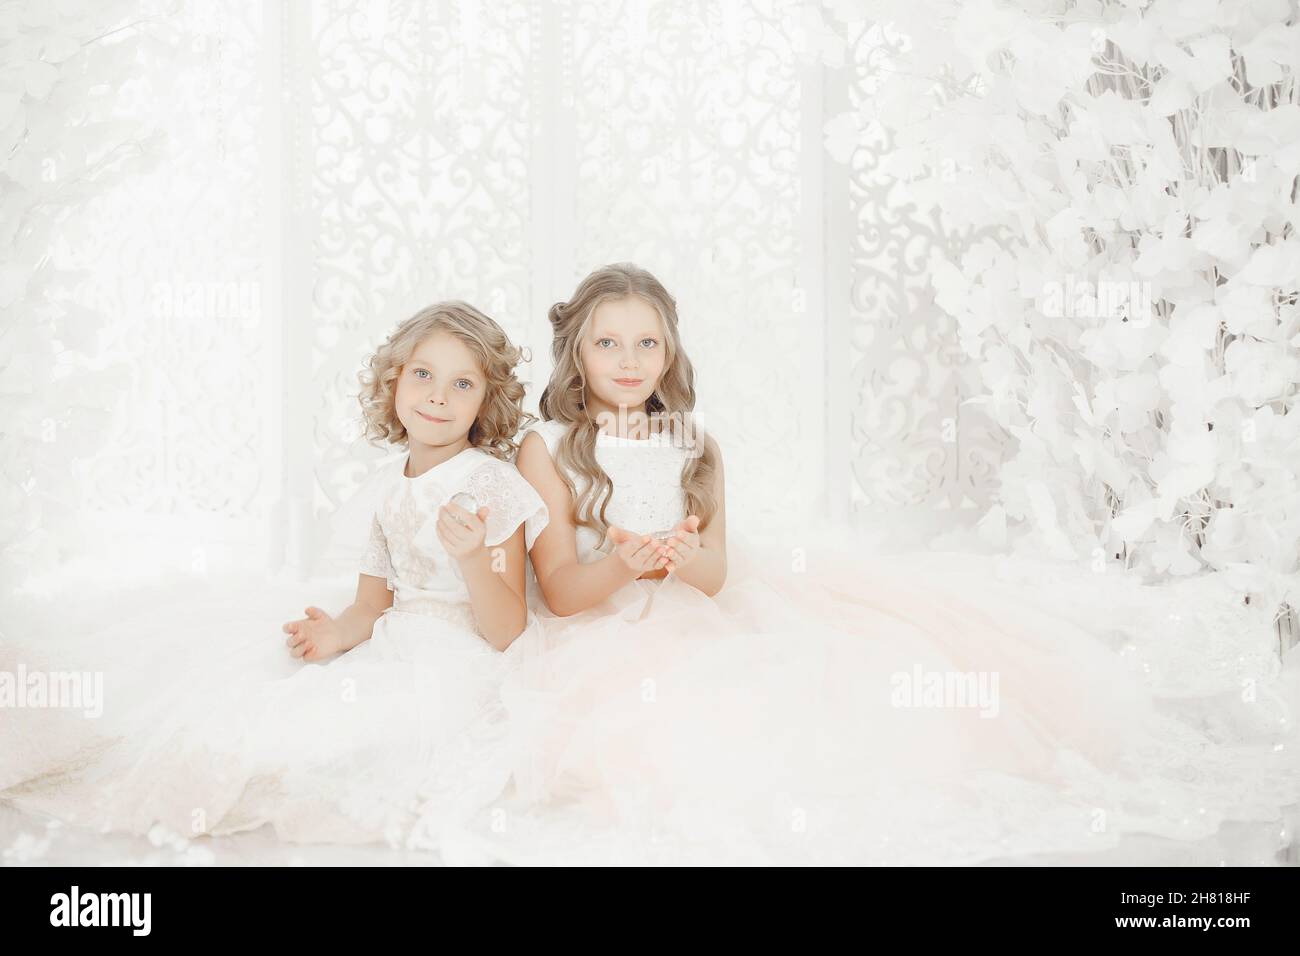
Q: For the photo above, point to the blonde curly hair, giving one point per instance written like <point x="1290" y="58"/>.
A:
<point x="499" y="418"/>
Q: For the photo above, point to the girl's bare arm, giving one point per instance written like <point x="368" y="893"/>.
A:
<point x="319" y="635"/>
<point x="358" y="619"/>
<point x="495" y="578"/>
<point x="567" y="585"/>
<point x="707" y="571"/>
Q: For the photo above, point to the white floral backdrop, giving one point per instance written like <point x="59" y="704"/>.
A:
<point x="1027" y="263"/>
<point x="1124" y="177"/>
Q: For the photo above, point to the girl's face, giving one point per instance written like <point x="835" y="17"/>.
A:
<point x="439" y="391"/>
<point x="622" y="353"/>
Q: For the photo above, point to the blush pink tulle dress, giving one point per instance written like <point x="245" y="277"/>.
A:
<point x="827" y="707"/>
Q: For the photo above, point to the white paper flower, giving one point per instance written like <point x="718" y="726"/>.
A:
<point x="1113" y="184"/>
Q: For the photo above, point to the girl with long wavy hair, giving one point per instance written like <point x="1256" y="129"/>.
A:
<point x="622" y="382"/>
<point x="682" y="701"/>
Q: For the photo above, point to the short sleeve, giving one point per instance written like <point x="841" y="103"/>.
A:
<point x="551" y="432"/>
<point x="510" y="500"/>
<point x="375" y="560"/>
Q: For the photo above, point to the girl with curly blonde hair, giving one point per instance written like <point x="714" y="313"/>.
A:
<point x="498" y="415"/>
<point x="443" y="386"/>
<point x="388" y="729"/>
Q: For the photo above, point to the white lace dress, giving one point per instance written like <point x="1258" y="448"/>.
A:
<point x="834" y="708"/>
<point x="391" y="742"/>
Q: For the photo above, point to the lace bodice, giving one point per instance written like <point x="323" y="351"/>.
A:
<point x="647" y="477"/>
<point x="404" y="547"/>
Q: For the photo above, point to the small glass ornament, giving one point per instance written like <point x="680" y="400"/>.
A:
<point x="463" y="499"/>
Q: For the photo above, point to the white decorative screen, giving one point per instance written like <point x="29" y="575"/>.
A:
<point x="332" y="167"/>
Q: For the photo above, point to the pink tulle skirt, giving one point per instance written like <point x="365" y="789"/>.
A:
<point x="912" y="709"/>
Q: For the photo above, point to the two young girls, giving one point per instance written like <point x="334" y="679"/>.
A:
<point x="546" y="660"/>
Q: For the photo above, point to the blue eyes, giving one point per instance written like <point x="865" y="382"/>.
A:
<point x="463" y="384"/>
<point x="653" y="342"/>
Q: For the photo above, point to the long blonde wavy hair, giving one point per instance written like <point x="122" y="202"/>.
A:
<point x="499" y="417"/>
<point x="564" y="398"/>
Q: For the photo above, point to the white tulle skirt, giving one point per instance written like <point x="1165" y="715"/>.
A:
<point x="909" y="710"/>
<point x="391" y="742"/>
<point x="928" y="708"/>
